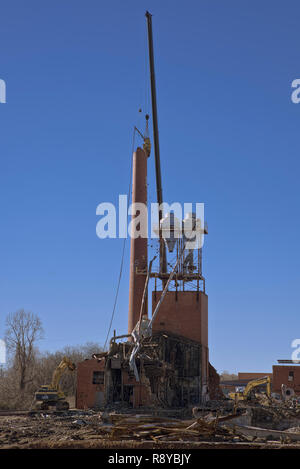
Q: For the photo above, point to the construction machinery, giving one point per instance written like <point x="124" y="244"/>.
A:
<point x="248" y="391"/>
<point x="51" y="395"/>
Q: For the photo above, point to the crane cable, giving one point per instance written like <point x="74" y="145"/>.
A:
<point x="123" y="249"/>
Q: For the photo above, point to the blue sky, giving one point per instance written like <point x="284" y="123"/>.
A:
<point x="76" y="76"/>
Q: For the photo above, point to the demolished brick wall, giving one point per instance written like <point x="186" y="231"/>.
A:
<point x="170" y="370"/>
<point x="214" y="389"/>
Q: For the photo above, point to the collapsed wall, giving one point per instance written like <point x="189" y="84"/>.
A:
<point x="185" y="314"/>
<point x="214" y="388"/>
<point x="170" y="373"/>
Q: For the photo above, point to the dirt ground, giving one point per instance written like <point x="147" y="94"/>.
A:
<point x="92" y="430"/>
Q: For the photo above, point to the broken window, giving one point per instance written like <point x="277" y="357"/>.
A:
<point x="291" y="376"/>
<point x="98" y="377"/>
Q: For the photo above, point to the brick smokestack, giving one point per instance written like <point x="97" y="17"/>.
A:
<point x="138" y="246"/>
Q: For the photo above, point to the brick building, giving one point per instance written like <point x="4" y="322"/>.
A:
<point x="170" y="375"/>
<point x="245" y="376"/>
<point x="175" y="372"/>
<point x="241" y="381"/>
<point x="284" y="375"/>
<point x="171" y="367"/>
<point x="90" y="390"/>
<point x="288" y="375"/>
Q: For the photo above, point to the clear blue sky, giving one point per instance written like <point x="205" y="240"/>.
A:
<point x="229" y="133"/>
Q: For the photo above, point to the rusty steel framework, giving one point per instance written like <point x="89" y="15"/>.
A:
<point x="185" y="277"/>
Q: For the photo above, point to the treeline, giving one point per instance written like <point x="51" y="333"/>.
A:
<point x="27" y="368"/>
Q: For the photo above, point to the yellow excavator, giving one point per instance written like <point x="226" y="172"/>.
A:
<point x="50" y="394"/>
<point x="246" y="394"/>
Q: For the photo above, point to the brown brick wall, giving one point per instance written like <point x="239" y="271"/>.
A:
<point x="281" y="376"/>
<point x="86" y="390"/>
<point x="185" y="316"/>
<point x="141" y="396"/>
<point x="215" y="391"/>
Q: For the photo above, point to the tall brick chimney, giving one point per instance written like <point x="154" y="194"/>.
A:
<point x="138" y="246"/>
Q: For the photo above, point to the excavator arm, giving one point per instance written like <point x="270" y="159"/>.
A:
<point x="250" y="386"/>
<point x="64" y="365"/>
<point x="257" y="382"/>
<point x="50" y="395"/>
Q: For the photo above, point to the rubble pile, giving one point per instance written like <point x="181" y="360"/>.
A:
<point x="279" y="417"/>
<point x="147" y="427"/>
<point x="219" y="423"/>
<point x="108" y="428"/>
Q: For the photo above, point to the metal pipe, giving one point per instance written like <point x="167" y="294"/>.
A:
<point x="115" y="337"/>
<point x="145" y="293"/>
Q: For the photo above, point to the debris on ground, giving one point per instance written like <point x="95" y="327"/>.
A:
<point x="216" y="424"/>
<point x="22" y="430"/>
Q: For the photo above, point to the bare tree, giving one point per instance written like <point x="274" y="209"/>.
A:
<point x="24" y="329"/>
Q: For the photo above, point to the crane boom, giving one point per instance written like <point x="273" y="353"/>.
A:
<point x="162" y="248"/>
